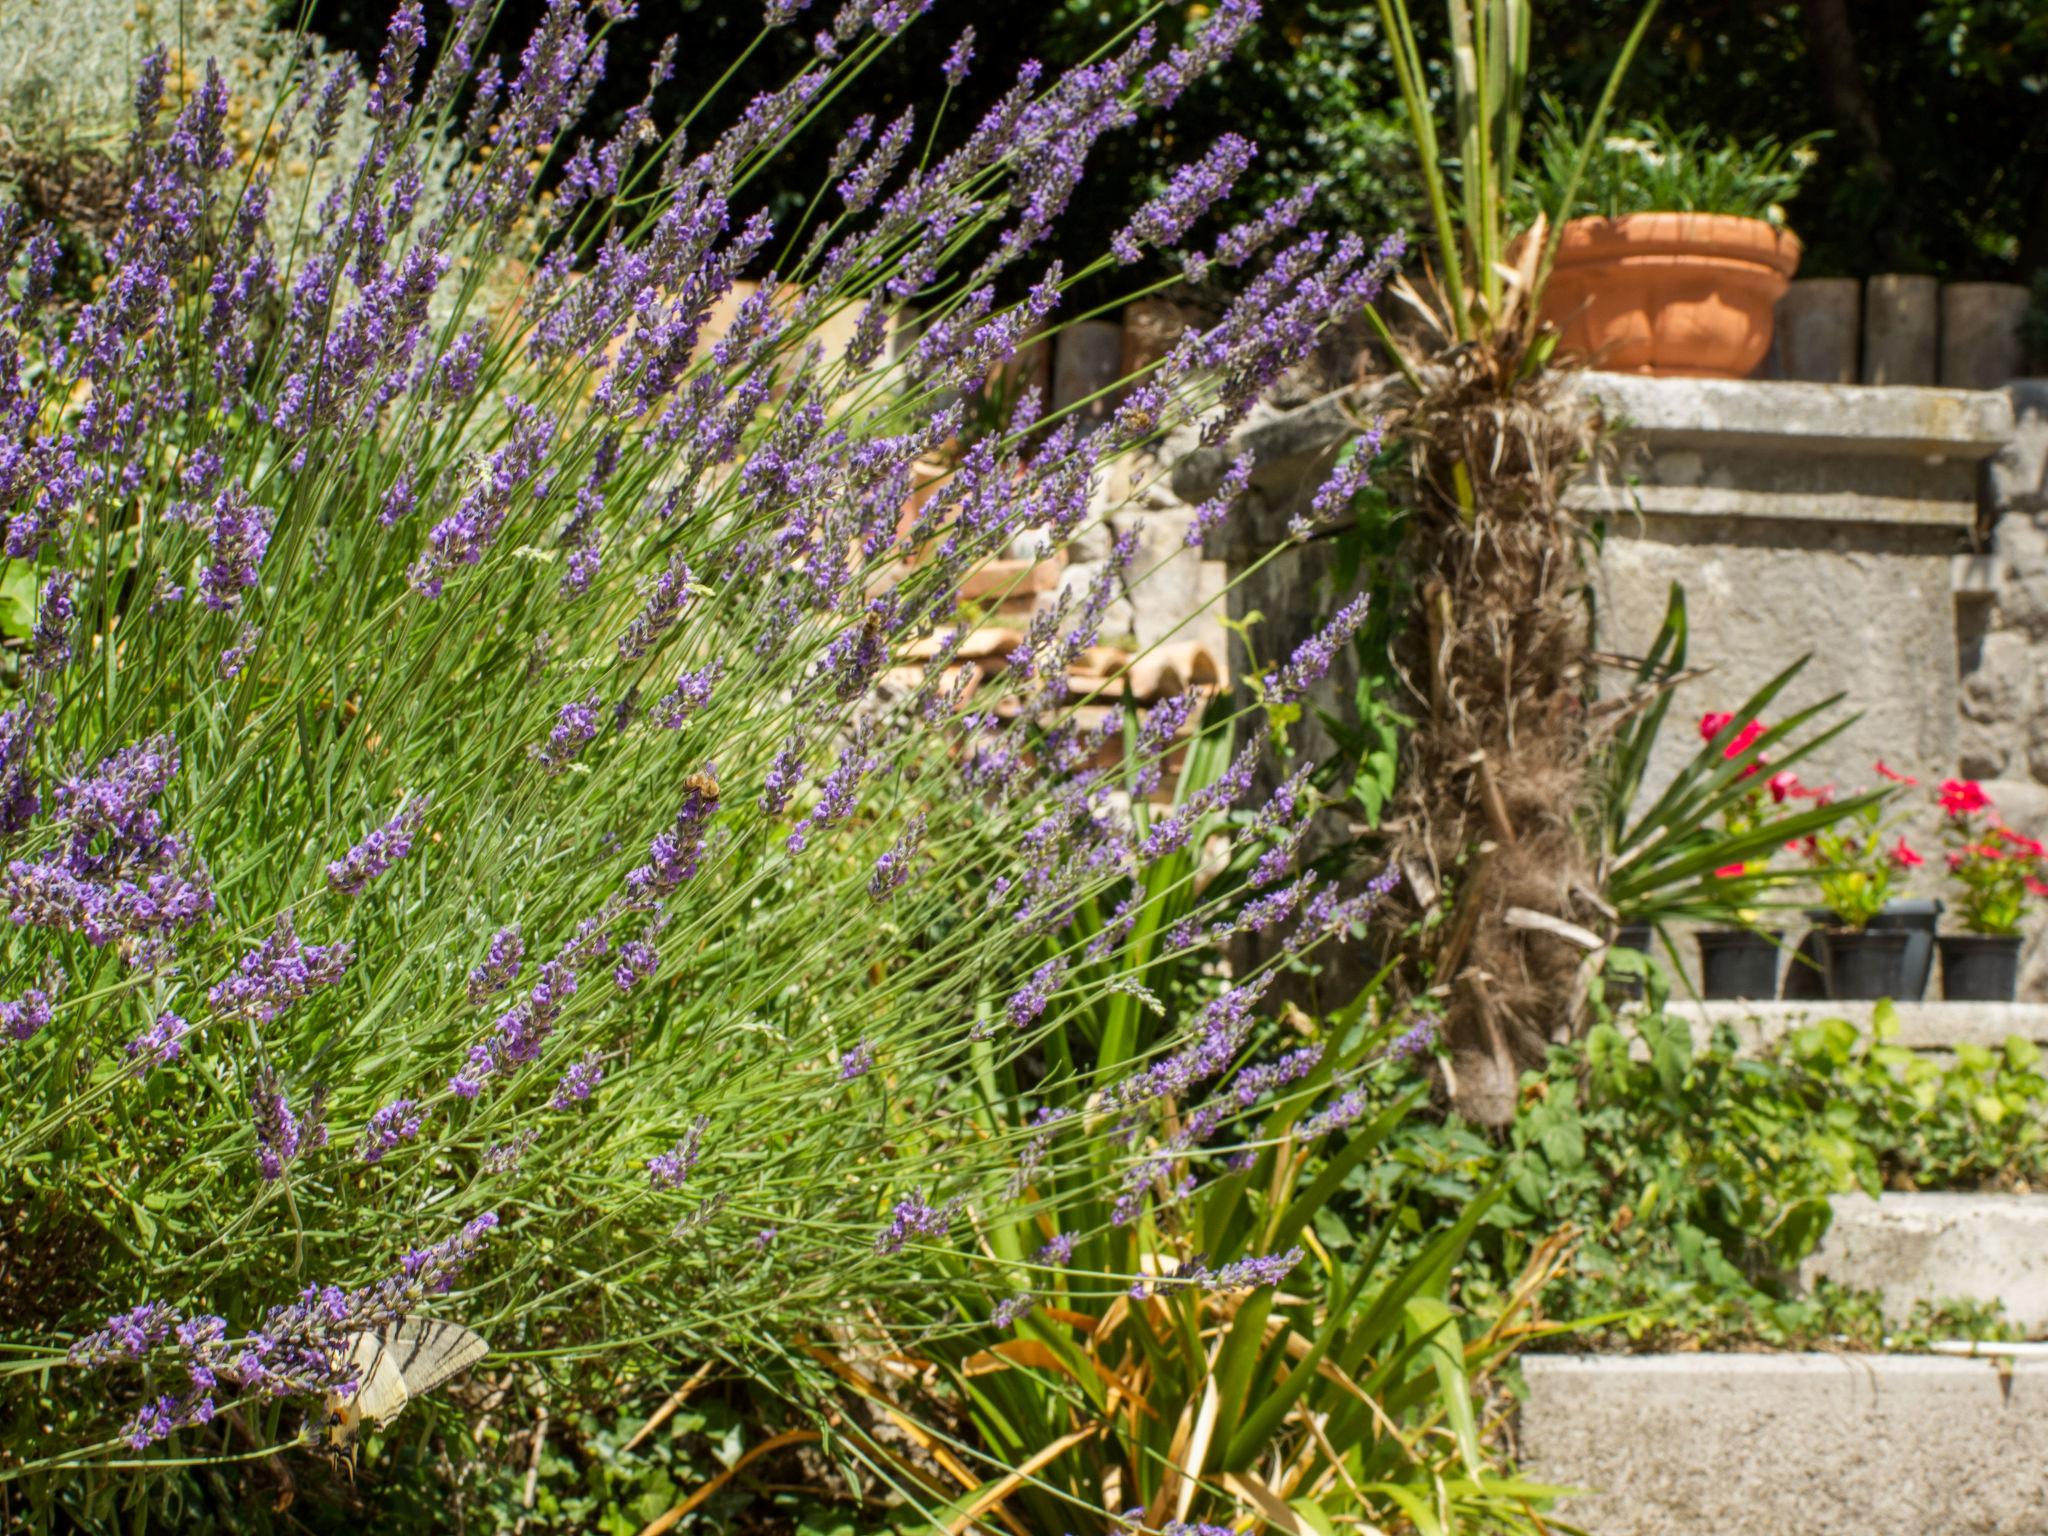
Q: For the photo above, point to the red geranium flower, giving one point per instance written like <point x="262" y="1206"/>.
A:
<point x="1960" y="797"/>
<point x="2020" y="842"/>
<point x="1893" y="774"/>
<point x="1731" y="871"/>
<point x="2037" y="886"/>
<point x="1901" y="853"/>
<point x="1785" y="786"/>
<point x="1711" y="725"/>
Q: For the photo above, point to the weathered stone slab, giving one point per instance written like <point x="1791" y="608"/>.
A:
<point x="1940" y="1247"/>
<point x="1800" y="518"/>
<point x="1921" y="1026"/>
<point x="1791" y="1445"/>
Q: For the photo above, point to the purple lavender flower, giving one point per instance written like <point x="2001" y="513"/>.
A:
<point x="913" y="1218"/>
<point x="667" y="1170"/>
<point x="673" y="854"/>
<point x="1012" y="1310"/>
<point x="1417" y="1041"/>
<point x="236" y="656"/>
<point x="659" y="614"/>
<point x="500" y="968"/>
<point x="784" y="774"/>
<point x="236" y="539"/>
<point x="1205" y="518"/>
<point x="504" y="1156"/>
<point x="638" y="960"/>
<point x="857" y="1062"/>
<point x="574" y="729"/>
<point x="1346" y="1109"/>
<point x="385" y="846"/>
<point x="280" y="1134"/>
<point x="1058" y="1251"/>
<point x="161" y="1419"/>
<point x="1312" y="659"/>
<point x="898" y="861"/>
<point x="278" y="972"/>
<point x="26" y="1016"/>
<point x="1343" y="482"/>
<point x="1254" y="1273"/>
<point x="960" y="58"/>
<point x="578" y="1081"/>
<point x="19" y="801"/>
<point x="398" y="1121"/>
<point x="1192" y="191"/>
<point x="163" y="1041"/>
<point x="1029" y="1000"/>
<point x="691" y="693"/>
<point x="49" y="646"/>
<point x="127" y="1336"/>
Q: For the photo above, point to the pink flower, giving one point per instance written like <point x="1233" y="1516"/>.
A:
<point x="1711" y="725"/>
<point x="1901" y="854"/>
<point x="2037" y="886"/>
<point x="1785" y="786"/>
<point x="1959" y="797"/>
<point x="1731" y="871"/>
<point x="1893" y="774"/>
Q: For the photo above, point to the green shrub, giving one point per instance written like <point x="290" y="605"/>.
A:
<point x="494" y="829"/>
<point x="1693" y="1184"/>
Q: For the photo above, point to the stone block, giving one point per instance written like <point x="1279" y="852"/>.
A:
<point x="1901" y="315"/>
<point x="1819" y="325"/>
<point x="1938" y="1248"/>
<point x="1980" y="334"/>
<point x="1772" y="1445"/>
<point x="2018" y="481"/>
<point x="2022" y="549"/>
<point x="1872" y="611"/>
<point x="2000" y="687"/>
<point x="1984" y="750"/>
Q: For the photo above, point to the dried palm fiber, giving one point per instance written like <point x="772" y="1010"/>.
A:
<point x="1494" y="775"/>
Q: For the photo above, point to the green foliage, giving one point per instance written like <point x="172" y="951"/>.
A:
<point x="1855" y="870"/>
<point x="1345" y="1391"/>
<point x="1651" y="167"/>
<point x="1662" y="862"/>
<point x="1696" y="1182"/>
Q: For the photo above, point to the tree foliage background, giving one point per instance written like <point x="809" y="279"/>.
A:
<point x="1937" y="110"/>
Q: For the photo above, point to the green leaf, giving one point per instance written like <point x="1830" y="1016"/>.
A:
<point x="1431" y="1322"/>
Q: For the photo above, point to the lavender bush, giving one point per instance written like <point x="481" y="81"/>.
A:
<point x="491" y="828"/>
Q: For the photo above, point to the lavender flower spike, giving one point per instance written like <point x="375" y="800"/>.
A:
<point x="353" y="871"/>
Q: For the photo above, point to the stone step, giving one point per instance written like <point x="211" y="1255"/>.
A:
<point x="1940" y="1247"/>
<point x="1921" y="1026"/>
<point x="1790" y="1444"/>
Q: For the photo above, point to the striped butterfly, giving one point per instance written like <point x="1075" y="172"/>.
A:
<point x="396" y="1363"/>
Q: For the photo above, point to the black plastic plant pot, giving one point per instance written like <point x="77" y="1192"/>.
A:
<point x="1866" y="964"/>
<point x="1916" y="919"/>
<point x="1738" y="963"/>
<point x="1636" y="936"/>
<point x="1979" y="967"/>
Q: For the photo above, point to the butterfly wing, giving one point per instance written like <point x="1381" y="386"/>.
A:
<point x="400" y="1361"/>
<point x="380" y="1385"/>
<point x="429" y="1351"/>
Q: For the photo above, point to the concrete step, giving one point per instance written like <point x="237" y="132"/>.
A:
<point x="1940" y="1247"/>
<point x="1921" y="1026"/>
<point x="1791" y="1444"/>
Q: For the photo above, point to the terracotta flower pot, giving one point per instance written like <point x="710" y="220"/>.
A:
<point x="1670" y="293"/>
